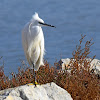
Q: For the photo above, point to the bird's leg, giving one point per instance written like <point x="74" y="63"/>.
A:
<point x="34" y="73"/>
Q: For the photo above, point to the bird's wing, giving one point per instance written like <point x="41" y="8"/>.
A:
<point x="25" y="41"/>
<point x="30" y="41"/>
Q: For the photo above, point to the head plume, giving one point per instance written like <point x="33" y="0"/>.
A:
<point x="35" y="15"/>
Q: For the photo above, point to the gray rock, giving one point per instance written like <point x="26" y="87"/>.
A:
<point x="65" y="63"/>
<point x="94" y="65"/>
<point x="49" y="91"/>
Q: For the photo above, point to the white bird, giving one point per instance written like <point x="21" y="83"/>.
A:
<point x="33" y="42"/>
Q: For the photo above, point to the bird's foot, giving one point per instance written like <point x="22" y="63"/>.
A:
<point x="35" y="83"/>
<point x="30" y="84"/>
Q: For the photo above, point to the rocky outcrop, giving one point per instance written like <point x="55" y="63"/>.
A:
<point x="49" y="91"/>
<point x="94" y="65"/>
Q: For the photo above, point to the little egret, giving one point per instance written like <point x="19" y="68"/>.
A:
<point x="33" y="42"/>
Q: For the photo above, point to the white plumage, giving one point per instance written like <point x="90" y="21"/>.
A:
<point x="33" y="41"/>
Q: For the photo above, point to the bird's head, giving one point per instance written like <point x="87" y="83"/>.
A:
<point x="38" y="21"/>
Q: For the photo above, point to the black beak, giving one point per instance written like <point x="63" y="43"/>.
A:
<point x="46" y="24"/>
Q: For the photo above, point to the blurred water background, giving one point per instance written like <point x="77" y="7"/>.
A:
<point x="71" y="18"/>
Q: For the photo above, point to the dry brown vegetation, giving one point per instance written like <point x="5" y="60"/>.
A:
<point x="80" y="83"/>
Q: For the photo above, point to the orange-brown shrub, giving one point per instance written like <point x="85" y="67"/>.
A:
<point x="81" y="83"/>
